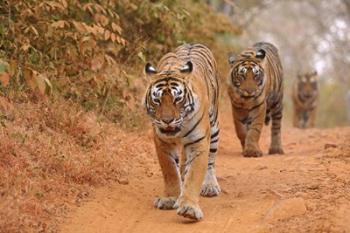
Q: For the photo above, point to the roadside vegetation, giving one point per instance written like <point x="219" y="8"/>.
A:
<point x="71" y="81"/>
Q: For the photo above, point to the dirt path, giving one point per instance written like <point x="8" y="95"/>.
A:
<point x="305" y="190"/>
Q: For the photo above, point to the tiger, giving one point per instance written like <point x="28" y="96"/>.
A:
<point x="347" y="99"/>
<point x="182" y="103"/>
<point x="305" y="96"/>
<point x="255" y="88"/>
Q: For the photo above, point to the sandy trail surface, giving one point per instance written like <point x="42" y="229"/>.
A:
<point x="305" y="190"/>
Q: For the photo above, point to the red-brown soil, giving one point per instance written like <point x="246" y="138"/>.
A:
<point x="305" y="190"/>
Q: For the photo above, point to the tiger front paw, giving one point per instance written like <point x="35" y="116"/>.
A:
<point x="252" y="153"/>
<point x="210" y="189"/>
<point x="210" y="186"/>
<point x="165" y="203"/>
<point x="188" y="209"/>
<point x="276" y="150"/>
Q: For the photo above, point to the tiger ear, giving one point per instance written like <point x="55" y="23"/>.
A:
<point x="187" y="68"/>
<point x="260" y="54"/>
<point x="231" y="59"/>
<point x="149" y="69"/>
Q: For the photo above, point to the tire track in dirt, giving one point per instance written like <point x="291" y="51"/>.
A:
<point x="305" y="190"/>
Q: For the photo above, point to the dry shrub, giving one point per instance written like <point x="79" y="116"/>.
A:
<point x="70" y="81"/>
<point x="52" y="156"/>
<point x="93" y="52"/>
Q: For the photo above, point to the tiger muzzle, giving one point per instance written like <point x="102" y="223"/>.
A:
<point x="248" y="93"/>
<point x="169" y="126"/>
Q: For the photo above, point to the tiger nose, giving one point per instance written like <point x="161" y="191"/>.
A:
<point x="249" y="91"/>
<point x="168" y="120"/>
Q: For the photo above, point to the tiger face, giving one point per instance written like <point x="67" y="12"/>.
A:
<point x="169" y="99"/>
<point x="247" y="76"/>
<point x="307" y="86"/>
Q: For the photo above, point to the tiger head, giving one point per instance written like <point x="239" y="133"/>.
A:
<point x="169" y="98"/>
<point x="307" y="85"/>
<point x="247" y="75"/>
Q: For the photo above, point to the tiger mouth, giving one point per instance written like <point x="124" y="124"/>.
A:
<point x="306" y="96"/>
<point x="170" y="130"/>
<point x="247" y="97"/>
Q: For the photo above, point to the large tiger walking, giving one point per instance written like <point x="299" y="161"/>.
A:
<point x="256" y="93"/>
<point x="182" y="101"/>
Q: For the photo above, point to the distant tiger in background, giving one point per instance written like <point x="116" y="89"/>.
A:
<point x="256" y="93"/>
<point x="347" y="99"/>
<point x="305" y="100"/>
<point x="182" y="101"/>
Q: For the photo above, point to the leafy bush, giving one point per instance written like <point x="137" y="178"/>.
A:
<point x="92" y="52"/>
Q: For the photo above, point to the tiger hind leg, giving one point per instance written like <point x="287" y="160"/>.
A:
<point x="210" y="186"/>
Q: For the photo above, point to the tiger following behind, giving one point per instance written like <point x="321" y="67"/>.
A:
<point x="347" y="99"/>
<point x="305" y="96"/>
<point x="182" y="102"/>
<point x="255" y="87"/>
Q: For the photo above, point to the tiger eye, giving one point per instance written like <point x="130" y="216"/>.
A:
<point x="177" y="99"/>
<point x="242" y="70"/>
<point x="157" y="101"/>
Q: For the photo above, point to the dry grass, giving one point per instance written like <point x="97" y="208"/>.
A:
<point x="52" y="153"/>
<point x="52" y="156"/>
